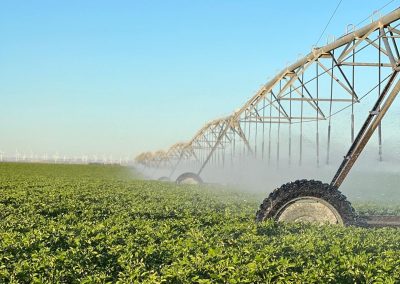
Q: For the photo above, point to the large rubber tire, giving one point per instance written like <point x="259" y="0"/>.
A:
<point x="189" y="178"/>
<point x="277" y="205"/>
<point x="164" y="179"/>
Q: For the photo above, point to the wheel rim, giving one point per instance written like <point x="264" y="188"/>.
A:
<point x="189" y="181"/>
<point x="309" y="209"/>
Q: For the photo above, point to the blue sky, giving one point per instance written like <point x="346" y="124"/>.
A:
<point x="121" y="77"/>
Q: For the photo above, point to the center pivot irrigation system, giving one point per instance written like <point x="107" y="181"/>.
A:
<point x="306" y="103"/>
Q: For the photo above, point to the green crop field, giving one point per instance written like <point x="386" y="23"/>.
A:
<point x="98" y="224"/>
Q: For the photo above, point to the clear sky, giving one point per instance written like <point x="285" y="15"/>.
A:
<point x="121" y="77"/>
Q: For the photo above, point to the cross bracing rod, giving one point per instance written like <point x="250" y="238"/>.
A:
<point x="377" y="46"/>
<point x="365" y="64"/>
<point x="211" y="142"/>
<point x="350" y="47"/>
<point x="335" y="77"/>
<point x="315" y="104"/>
<point x="353" y="93"/>
<point x="276" y="118"/>
<point x="316" y="100"/>
<point x="206" y="148"/>
<point x="271" y="102"/>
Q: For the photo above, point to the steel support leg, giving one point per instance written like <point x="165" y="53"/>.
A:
<point x="371" y="123"/>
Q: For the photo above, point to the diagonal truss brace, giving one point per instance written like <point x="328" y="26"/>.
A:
<point x="371" y="123"/>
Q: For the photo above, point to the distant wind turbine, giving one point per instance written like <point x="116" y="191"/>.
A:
<point x="55" y="157"/>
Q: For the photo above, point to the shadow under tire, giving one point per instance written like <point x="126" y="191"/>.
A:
<point x="307" y="201"/>
<point x="164" y="179"/>
<point x="189" y="178"/>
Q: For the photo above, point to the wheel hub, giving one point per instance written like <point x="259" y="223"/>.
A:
<point x="189" y="181"/>
<point x="309" y="209"/>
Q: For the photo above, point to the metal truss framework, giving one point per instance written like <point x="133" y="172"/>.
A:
<point x="310" y="93"/>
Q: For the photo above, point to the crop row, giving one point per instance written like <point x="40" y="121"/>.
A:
<point x="87" y="224"/>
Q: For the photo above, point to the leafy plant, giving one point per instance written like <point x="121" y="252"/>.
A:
<point x="97" y="224"/>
